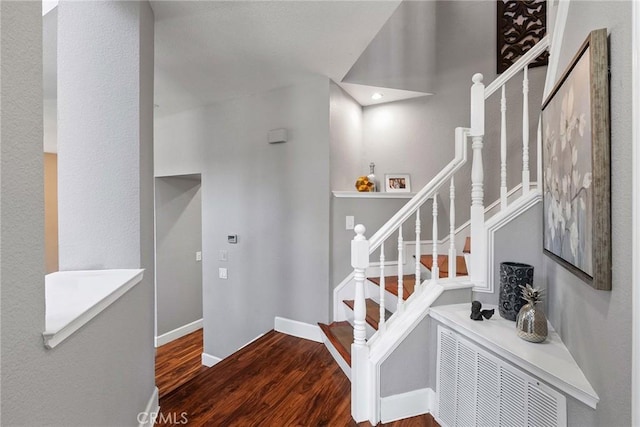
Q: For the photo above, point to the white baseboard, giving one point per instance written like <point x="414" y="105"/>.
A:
<point x="147" y="417"/>
<point x="209" y="360"/>
<point x="178" y="333"/>
<point x="298" y="329"/>
<point x="406" y="405"/>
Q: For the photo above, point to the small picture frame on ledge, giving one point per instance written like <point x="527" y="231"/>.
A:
<point x="397" y="183"/>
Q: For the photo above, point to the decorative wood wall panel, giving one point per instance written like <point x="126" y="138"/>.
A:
<point x="521" y="24"/>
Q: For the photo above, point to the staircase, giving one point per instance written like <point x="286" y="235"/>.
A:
<point x="339" y="335"/>
<point x="382" y="309"/>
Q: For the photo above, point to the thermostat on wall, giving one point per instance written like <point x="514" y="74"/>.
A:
<point x="232" y="238"/>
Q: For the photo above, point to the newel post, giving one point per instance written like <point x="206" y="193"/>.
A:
<point x="359" y="349"/>
<point x="478" y="258"/>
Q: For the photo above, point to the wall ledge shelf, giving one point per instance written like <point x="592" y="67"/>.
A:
<point x="550" y="361"/>
<point x="377" y="195"/>
<point x="73" y="298"/>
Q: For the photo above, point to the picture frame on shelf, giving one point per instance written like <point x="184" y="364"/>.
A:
<point x="397" y="183"/>
<point x="576" y="166"/>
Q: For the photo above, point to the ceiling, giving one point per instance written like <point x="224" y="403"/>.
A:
<point x="210" y="51"/>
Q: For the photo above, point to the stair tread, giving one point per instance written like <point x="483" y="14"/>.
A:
<point x="391" y="284"/>
<point x="443" y="264"/>
<point x="373" y="312"/>
<point x="340" y="334"/>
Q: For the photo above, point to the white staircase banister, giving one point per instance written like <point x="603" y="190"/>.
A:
<point x="517" y="66"/>
<point x="425" y="194"/>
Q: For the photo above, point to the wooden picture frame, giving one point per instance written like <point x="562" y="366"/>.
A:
<point x="576" y="166"/>
<point x="397" y="183"/>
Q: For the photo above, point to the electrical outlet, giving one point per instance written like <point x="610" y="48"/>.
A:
<point x="222" y="273"/>
<point x="223" y="256"/>
<point x="350" y="222"/>
<point x="199" y="256"/>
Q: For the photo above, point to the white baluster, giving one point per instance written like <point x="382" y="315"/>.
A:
<point x="382" y="323"/>
<point x="418" y="269"/>
<point x="452" y="229"/>
<point x="539" y="153"/>
<point x="525" y="131"/>
<point x="478" y="260"/>
<point x="359" y="350"/>
<point x="503" y="150"/>
<point x="359" y="262"/>
<point x="435" y="270"/>
<point x="400" y="272"/>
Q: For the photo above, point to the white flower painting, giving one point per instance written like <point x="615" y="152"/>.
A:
<point x="567" y="164"/>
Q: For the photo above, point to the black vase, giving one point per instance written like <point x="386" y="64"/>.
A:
<point x="512" y="276"/>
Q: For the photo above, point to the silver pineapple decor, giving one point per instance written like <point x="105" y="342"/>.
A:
<point x="531" y="322"/>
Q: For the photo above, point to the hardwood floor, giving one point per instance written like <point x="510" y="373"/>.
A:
<point x="278" y="380"/>
<point x="178" y="361"/>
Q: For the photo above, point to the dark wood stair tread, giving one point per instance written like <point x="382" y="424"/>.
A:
<point x="373" y="312"/>
<point x="443" y="264"/>
<point x="467" y="246"/>
<point x="391" y="284"/>
<point x="340" y="334"/>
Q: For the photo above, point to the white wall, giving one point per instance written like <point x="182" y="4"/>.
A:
<point x="178" y="238"/>
<point x="100" y="375"/>
<point x="274" y="197"/>
<point x="596" y="325"/>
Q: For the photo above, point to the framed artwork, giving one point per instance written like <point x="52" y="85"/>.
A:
<point x="397" y="183"/>
<point x="576" y="166"/>
<point x="521" y="24"/>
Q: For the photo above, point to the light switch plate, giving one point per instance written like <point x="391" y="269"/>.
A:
<point x="350" y="222"/>
<point x="199" y="256"/>
<point x="222" y="273"/>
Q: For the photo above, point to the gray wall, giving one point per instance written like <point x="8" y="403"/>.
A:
<point x="100" y="375"/>
<point x="345" y="130"/>
<point x="596" y="325"/>
<point x="178" y="238"/>
<point x="416" y="136"/>
<point x="518" y="241"/>
<point x="406" y="368"/>
<point x="274" y="197"/>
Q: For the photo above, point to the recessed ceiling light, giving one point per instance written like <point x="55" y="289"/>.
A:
<point x="376" y="96"/>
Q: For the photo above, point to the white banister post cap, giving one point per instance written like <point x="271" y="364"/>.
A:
<point x="477" y="78"/>
<point x="359" y="229"/>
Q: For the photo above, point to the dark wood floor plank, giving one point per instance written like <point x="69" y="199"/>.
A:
<point x="276" y="381"/>
<point x="178" y="361"/>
